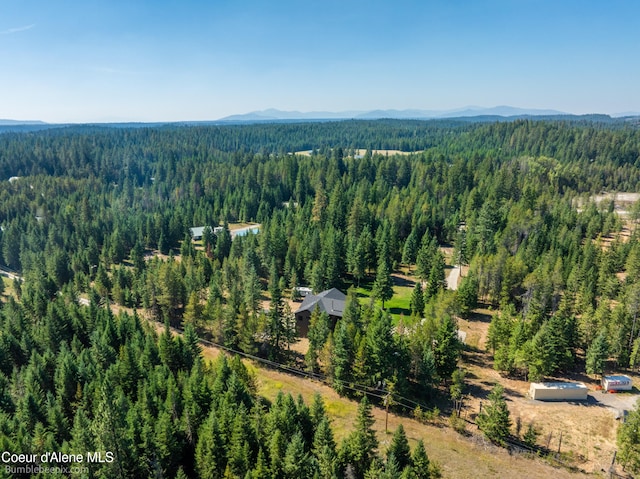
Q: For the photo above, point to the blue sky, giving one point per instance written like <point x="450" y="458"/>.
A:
<point x="142" y="60"/>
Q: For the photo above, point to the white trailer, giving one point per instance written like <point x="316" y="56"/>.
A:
<point x="617" y="383"/>
<point x="558" y="391"/>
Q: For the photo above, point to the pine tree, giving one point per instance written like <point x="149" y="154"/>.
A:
<point x="424" y="257"/>
<point x="410" y="250"/>
<point x="436" y="281"/>
<point x="494" y="420"/>
<point x="460" y="249"/>
<point x="383" y="285"/>
<point x="172" y="289"/>
<point x="297" y="463"/>
<point x="342" y="357"/>
<point x="531" y="435"/>
<point x="223" y="243"/>
<point x="634" y="359"/>
<point x="427" y="371"/>
<point x="102" y="282"/>
<point x="108" y="429"/>
<point x="169" y="443"/>
<point x="193" y="311"/>
<point x="246" y="327"/>
<point x="360" y="447"/>
<point x="538" y="355"/>
<point x="293" y="285"/>
<point x="467" y="294"/>
<point x="399" y="448"/>
<point x="82" y="438"/>
<point x="238" y="454"/>
<point x="324" y="449"/>
<point x="380" y="348"/>
<point x="251" y="288"/>
<point x="417" y="300"/>
<point x="208" y="239"/>
<point x="163" y="245"/>
<point x="317" y="411"/>
<point x="456" y="390"/>
<point x="361" y="366"/>
<point x="261" y="469"/>
<point x="629" y="442"/>
<point x="277" y="450"/>
<point x="187" y="250"/>
<point x="275" y="319"/>
<point x="421" y="465"/>
<point x="632" y="265"/>
<point x="317" y="277"/>
<point x="376" y="470"/>
<point x="446" y="348"/>
<point x="319" y="330"/>
<point x="597" y="355"/>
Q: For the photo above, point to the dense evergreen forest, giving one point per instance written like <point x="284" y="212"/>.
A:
<point x="104" y="214"/>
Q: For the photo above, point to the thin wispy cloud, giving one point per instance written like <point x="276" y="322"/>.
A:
<point x="17" y="29"/>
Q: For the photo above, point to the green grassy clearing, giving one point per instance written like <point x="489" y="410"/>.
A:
<point x="398" y="306"/>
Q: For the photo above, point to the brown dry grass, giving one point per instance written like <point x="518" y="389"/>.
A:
<point x="458" y="456"/>
<point x="588" y="430"/>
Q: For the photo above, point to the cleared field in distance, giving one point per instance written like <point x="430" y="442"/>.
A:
<point x="361" y="152"/>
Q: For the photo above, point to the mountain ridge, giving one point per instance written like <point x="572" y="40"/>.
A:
<point x="8" y="122"/>
<point x="273" y="114"/>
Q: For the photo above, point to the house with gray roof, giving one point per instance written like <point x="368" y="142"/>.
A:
<point x="331" y="302"/>
<point x="198" y="231"/>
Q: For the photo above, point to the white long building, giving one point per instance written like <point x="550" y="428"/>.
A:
<point x="558" y="391"/>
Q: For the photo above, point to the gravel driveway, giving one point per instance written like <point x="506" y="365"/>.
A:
<point x="619" y="402"/>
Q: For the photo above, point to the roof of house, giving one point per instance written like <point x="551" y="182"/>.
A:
<point x="198" y="231"/>
<point x="331" y="301"/>
<point x="617" y="377"/>
<point x="559" y="385"/>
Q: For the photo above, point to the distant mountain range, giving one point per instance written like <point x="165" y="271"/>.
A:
<point x="471" y="111"/>
<point x="20" y="122"/>
<point x="274" y="115"/>
<point x="625" y="114"/>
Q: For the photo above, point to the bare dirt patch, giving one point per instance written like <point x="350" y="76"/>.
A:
<point x="588" y="428"/>
<point x="476" y="327"/>
<point x="622" y="201"/>
<point x="360" y="152"/>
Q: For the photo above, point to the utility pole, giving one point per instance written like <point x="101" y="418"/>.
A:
<point x="387" y="400"/>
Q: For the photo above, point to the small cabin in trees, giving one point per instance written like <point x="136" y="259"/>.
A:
<point x="197" y="231"/>
<point x="331" y="302"/>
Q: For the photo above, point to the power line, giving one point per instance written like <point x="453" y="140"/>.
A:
<point x="363" y="389"/>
